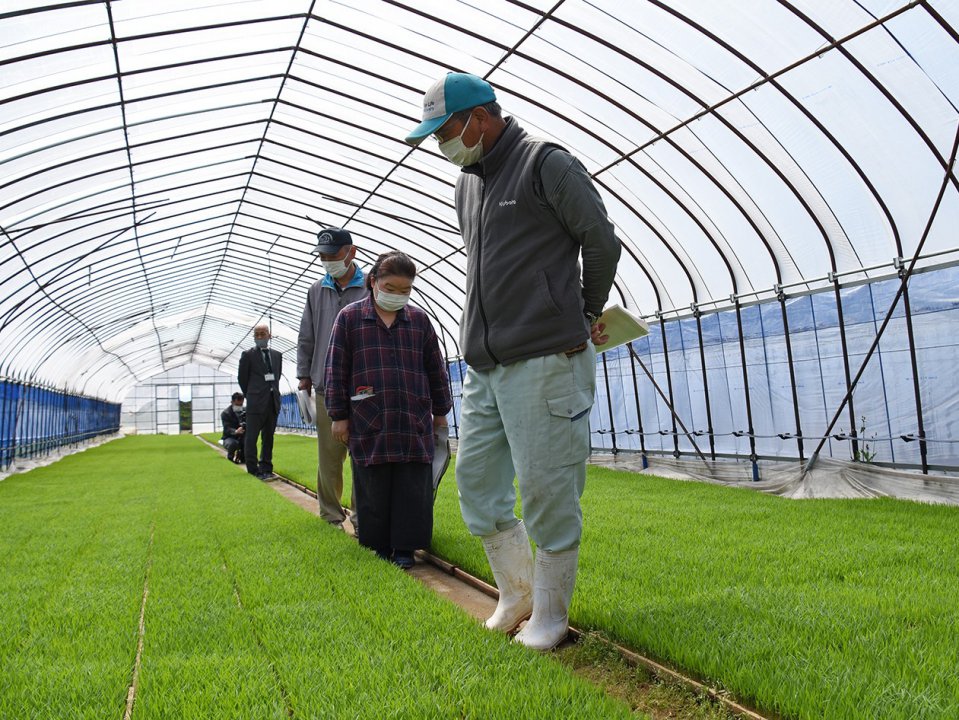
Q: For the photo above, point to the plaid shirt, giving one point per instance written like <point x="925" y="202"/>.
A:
<point x="388" y="382"/>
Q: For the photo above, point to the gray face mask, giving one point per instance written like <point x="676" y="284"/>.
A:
<point x="262" y="343"/>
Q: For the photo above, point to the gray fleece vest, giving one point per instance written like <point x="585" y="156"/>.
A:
<point x="523" y="290"/>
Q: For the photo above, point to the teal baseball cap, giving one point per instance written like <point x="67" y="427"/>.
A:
<point x="455" y="92"/>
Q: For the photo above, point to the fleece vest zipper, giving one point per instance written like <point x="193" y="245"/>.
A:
<point x="479" y="276"/>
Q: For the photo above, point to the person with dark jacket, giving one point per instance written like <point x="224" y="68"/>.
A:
<point x="386" y="391"/>
<point x="528" y="212"/>
<point x="259" y="378"/>
<point x="234" y="428"/>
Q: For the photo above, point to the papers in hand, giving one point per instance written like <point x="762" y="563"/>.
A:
<point x="307" y="409"/>
<point x="441" y="455"/>
<point x="621" y="326"/>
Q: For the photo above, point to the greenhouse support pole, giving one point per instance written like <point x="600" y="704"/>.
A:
<point x="639" y="414"/>
<point x="895" y="301"/>
<point x="676" y="417"/>
<point x="781" y="296"/>
<point x="4" y="404"/>
<point x="915" y="380"/>
<point x="702" y="361"/>
<point x="669" y="386"/>
<point x="32" y="426"/>
<point x="749" y="410"/>
<point x="853" y="433"/>
<point x="609" y="405"/>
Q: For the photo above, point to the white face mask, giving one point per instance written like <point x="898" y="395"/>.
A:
<point x="336" y="268"/>
<point x="237" y="408"/>
<point x="458" y="154"/>
<point x="262" y="343"/>
<point x="391" y="302"/>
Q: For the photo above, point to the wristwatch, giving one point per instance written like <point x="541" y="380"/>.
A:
<point x="592" y="317"/>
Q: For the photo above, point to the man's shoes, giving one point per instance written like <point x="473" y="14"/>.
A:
<point x="404" y="559"/>
<point x="265" y="475"/>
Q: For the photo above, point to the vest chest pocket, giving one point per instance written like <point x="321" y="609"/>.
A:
<point x="569" y="428"/>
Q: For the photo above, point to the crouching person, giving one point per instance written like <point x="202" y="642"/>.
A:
<point x="386" y="390"/>
<point x="234" y="428"/>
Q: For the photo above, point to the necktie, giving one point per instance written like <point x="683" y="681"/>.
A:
<point x="266" y="359"/>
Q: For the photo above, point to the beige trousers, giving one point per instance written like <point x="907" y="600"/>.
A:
<point x="329" y="473"/>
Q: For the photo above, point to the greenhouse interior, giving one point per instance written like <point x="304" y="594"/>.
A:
<point x="763" y="527"/>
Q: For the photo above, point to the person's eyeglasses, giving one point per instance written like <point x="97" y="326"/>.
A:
<point x="446" y="133"/>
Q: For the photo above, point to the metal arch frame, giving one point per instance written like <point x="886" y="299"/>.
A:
<point x="501" y="61"/>
<point x="849" y="159"/>
<point x="783" y="178"/>
<point x="266" y="129"/>
<point x="171" y="31"/>
<point x="812" y="215"/>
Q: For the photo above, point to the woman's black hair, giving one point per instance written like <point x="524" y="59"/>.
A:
<point x="393" y="262"/>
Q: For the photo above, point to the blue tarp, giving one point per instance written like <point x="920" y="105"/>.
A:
<point x="35" y="420"/>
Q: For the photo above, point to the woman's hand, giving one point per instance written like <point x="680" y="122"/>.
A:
<point x="341" y="431"/>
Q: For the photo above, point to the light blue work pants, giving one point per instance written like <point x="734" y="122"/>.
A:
<point x="528" y="420"/>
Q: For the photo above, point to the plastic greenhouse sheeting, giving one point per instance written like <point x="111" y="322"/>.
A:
<point x="884" y="413"/>
<point x="164" y="169"/>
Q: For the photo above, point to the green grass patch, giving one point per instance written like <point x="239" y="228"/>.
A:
<point x="256" y="608"/>
<point x="817" y="608"/>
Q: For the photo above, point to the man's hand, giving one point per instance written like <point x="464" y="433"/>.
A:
<point x="596" y="334"/>
<point x="239" y="431"/>
<point x="341" y="431"/>
<point x="440" y="421"/>
<point x="306" y="384"/>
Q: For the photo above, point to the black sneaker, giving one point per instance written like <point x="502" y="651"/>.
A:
<point x="404" y="559"/>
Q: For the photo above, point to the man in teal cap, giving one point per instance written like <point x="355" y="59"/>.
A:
<point x="528" y="212"/>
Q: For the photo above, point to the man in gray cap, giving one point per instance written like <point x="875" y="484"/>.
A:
<point x="528" y="212"/>
<point x="342" y="284"/>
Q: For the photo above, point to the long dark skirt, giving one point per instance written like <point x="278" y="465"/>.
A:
<point x="394" y="506"/>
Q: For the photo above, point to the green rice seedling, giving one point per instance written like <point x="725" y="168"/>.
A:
<point x="835" y="608"/>
<point x="808" y="608"/>
<point x="294" y="457"/>
<point x="71" y="578"/>
<point x="255" y="608"/>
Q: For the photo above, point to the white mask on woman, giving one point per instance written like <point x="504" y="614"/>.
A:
<point x="391" y="302"/>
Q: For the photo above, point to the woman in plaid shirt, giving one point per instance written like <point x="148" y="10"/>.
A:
<point x="386" y="389"/>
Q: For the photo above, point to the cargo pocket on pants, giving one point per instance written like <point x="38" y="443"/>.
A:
<point x="569" y="428"/>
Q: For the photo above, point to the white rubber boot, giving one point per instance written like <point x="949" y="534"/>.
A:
<point x="555" y="576"/>
<point x="511" y="560"/>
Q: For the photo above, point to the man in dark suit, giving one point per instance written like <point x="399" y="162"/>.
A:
<point x="234" y="427"/>
<point x="259" y="379"/>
